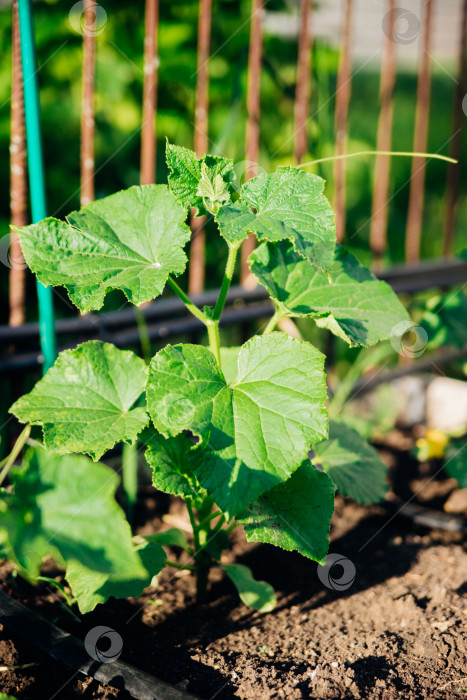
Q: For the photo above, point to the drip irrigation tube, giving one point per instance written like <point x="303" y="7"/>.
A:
<point x="157" y="332"/>
<point x="427" y="517"/>
<point x="70" y="650"/>
<point x="440" y="357"/>
<point x="403" y="279"/>
<point x="156" y="310"/>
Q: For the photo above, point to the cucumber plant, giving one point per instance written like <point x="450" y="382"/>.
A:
<point x="229" y="430"/>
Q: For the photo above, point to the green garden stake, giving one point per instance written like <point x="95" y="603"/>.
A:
<point x="36" y="170"/>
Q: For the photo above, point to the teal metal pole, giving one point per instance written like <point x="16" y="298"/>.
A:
<point x="36" y="170"/>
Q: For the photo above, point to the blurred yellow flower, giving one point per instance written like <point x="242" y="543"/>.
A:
<point x="432" y="446"/>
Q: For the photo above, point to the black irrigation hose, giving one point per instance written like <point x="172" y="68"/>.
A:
<point x="415" y="277"/>
<point x="120" y="327"/>
<point x="441" y="357"/>
<point x="65" y="647"/>
<point x="403" y="279"/>
<point x="69" y="650"/>
<point x="433" y="519"/>
<point x="156" y="310"/>
<point x="160" y="331"/>
<point x="177" y="327"/>
<point x="173" y="328"/>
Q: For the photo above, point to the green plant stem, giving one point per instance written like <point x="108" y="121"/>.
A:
<point x="188" y="303"/>
<point x="177" y="565"/>
<point x="214" y="342"/>
<point x="144" y="338"/>
<point x="203" y="560"/>
<point x="273" y="321"/>
<point x="194" y="525"/>
<point x="218" y="525"/>
<point x="59" y="586"/>
<point x="18" y="446"/>
<point x="204" y="508"/>
<point x="210" y="517"/>
<point x="231" y="527"/>
<point x="130" y="477"/>
<point x="3" y="669"/>
<point x="202" y="577"/>
<point x="409" y="154"/>
<point x="228" y="274"/>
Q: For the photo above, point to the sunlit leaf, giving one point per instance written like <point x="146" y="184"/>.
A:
<point x="353" y="464"/>
<point x="258" y="595"/>
<point x="132" y="240"/>
<point x="255" y="431"/>
<point x="86" y="401"/>
<point x="289" y="204"/>
<point x="295" y="515"/>
<point x="351" y="302"/>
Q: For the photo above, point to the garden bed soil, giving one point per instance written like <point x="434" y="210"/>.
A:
<point x="397" y="632"/>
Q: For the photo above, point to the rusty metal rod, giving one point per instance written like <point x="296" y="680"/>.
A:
<point x="453" y="172"/>
<point x="417" y="182"/>
<point x="253" y="112"/>
<point x="196" y="272"/>
<point x="87" y="103"/>
<point x="148" y="129"/>
<point x="303" y="89"/>
<point x="18" y="180"/>
<point x="379" y="209"/>
<point x="343" y="92"/>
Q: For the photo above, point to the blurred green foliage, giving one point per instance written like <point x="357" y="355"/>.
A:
<point x="118" y="115"/>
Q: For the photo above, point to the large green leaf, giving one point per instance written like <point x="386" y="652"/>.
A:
<point x="65" y="507"/>
<point x="91" y="587"/>
<point x="173" y="537"/>
<point x="456" y="462"/>
<point x="289" y="204"/>
<point x="171" y="463"/>
<point x="295" y="515"/>
<point x="229" y="359"/>
<point x="196" y="182"/>
<point x="258" y="595"/>
<point x="354" y="305"/>
<point x="445" y="320"/>
<point x="132" y="240"/>
<point x="255" y="431"/>
<point x="354" y="466"/>
<point x="85" y="402"/>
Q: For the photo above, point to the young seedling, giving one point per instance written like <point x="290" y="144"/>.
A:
<point x="227" y="429"/>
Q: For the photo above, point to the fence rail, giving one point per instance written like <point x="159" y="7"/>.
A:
<point x="166" y="318"/>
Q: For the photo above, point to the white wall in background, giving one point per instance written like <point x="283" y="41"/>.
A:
<point x="367" y="28"/>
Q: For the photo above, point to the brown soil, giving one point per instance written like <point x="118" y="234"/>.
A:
<point x="397" y="632"/>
